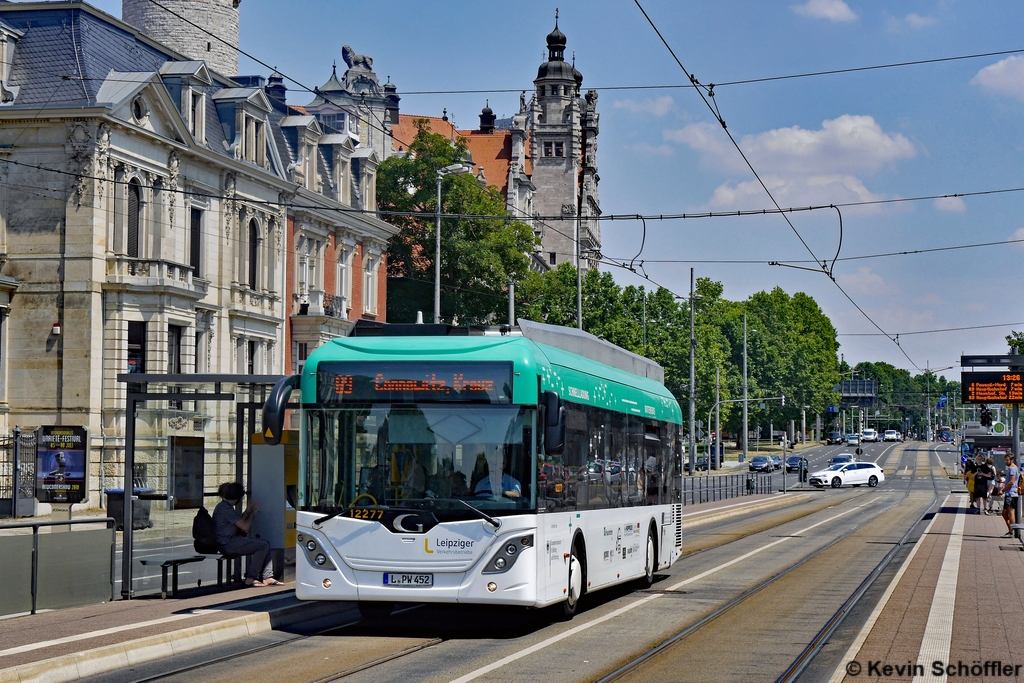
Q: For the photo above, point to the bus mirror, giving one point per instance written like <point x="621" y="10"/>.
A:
<point x="554" y="427"/>
<point x="274" y="408"/>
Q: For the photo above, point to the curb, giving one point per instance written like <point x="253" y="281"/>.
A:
<point x="79" y="665"/>
<point x="743" y="509"/>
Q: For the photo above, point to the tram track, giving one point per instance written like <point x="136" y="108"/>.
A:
<point x="800" y="663"/>
<point x="370" y="664"/>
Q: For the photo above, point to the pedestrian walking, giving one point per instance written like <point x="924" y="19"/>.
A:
<point x="995" y="501"/>
<point x="983" y="478"/>
<point x="970" y="469"/>
<point x="1009" y="493"/>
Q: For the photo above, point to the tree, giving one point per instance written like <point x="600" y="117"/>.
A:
<point x="479" y="256"/>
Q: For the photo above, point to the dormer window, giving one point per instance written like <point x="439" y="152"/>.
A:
<point x="196" y="114"/>
<point x="8" y="40"/>
<point x="254" y="141"/>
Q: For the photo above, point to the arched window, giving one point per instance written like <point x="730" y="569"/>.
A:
<point x="254" y="253"/>
<point x="134" y="204"/>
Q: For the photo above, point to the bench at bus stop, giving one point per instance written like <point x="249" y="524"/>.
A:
<point x="172" y="562"/>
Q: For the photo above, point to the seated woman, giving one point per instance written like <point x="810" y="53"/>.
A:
<point x="232" y="530"/>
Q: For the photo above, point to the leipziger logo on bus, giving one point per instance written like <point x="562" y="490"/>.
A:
<point x="448" y="546"/>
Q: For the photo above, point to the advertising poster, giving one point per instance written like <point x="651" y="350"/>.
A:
<point x="61" y="463"/>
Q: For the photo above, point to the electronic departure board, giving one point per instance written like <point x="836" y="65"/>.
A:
<point x="992" y="387"/>
<point x="339" y="383"/>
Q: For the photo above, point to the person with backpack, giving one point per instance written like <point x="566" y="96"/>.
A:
<point x="1009" y="491"/>
<point x="232" y="530"/>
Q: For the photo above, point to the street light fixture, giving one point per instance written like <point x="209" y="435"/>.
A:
<point x="455" y="169"/>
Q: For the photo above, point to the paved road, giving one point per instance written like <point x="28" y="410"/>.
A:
<point x="781" y="575"/>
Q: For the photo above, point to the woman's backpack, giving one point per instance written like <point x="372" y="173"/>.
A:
<point x="204" y="533"/>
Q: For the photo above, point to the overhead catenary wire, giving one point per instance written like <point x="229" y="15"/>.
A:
<point x="714" y="109"/>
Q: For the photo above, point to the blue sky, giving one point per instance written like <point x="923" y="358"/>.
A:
<point x="932" y="129"/>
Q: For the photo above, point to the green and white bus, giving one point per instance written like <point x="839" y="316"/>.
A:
<point x="519" y="465"/>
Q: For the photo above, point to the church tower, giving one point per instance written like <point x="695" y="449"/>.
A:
<point x="563" y="136"/>
<point x="219" y="17"/>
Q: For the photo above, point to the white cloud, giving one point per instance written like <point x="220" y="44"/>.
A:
<point x="917" y="21"/>
<point x="658" y="106"/>
<point x="797" y="164"/>
<point x="912" y="21"/>
<point x="865" y="282"/>
<point x="1018" y="234"/>
<point x="930" y="299"/>
<point x="1005" y="77"/>
<point x="833" y="10"/>
<point x="976" y="307"/>
<point x="951" y="204"/>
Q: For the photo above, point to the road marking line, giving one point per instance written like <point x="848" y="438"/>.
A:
<point x="938" y="632"/>
<point x="840" y="673"/>
<point x="472" y="675"/>
<point x="107" y="631"/>
<point x="724" y="507"/>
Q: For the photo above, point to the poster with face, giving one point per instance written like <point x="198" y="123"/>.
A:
<point x="61" y="463"/>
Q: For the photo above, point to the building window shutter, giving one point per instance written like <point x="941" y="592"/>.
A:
<point x="254" y="254"/>
<point x="196" y="242"/>
<point x="133" y="219"/>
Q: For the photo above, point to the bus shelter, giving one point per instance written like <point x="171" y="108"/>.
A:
<point x="185" y="434"/>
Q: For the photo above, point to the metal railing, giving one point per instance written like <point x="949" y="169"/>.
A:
<point x="35" y="526"/>
<point x="708" y="489"/>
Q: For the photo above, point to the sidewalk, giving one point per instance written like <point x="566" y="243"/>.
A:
<point x="958" y="601"/>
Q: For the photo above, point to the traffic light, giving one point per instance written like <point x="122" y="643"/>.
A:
<point x="986" y="417"/>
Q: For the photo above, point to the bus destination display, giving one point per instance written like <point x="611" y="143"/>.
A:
<point x="405" y="382"/>
<point x="992" y="387"/>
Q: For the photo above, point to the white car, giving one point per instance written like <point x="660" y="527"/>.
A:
<point x="891" y="435"/>
<point x="853" y="439"/>
<point x="852" y="473"/>
<point x="869" y="436"/>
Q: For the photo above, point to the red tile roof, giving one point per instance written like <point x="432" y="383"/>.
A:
<point x="490" y="151"/>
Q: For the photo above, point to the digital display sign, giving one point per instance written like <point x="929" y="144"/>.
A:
<point x="992" y="387"/>
<point x="410" y="382"/>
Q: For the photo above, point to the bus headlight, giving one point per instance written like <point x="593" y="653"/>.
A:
<point x="511" y="549"/>
<point x="500" y="563"/>
<point x="310" y="545"/>
<point x="505" y="557"/>
<point x="321" y="559"/>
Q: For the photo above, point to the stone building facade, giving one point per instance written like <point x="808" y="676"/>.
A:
<point x="538" y="158"/>
<point x="158" y="216"/>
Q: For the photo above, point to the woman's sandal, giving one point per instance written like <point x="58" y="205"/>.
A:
<point x="256" y="584"/>
<point x="272" y="582"/>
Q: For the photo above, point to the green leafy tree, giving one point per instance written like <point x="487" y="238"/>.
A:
<point x="479" y="256"/>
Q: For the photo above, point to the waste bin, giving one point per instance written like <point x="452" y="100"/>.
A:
<point x="140" y="508"/>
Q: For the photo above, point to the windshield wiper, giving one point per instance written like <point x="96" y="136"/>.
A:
<point x="486" y="517"/>
<point x="318" y="522"/>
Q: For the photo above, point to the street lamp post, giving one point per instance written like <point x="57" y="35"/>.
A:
<point x="693" y="383"/>
<point x="454" y="169"/>
<point x="746" y="428"/>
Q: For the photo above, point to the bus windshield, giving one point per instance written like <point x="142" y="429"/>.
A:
<point x="421" y="456"/>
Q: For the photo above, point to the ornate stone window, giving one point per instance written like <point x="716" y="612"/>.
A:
<point x="370" y="267"/>
<point x="254" y="254"/>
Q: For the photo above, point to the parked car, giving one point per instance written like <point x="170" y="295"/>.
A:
<point x="776" y="462"/>
<point x="794" y="462"/>
<point x="869" y="436"/>
<point x="835" y="438"/>
<point x="841" y="459"/>
<point x="853" y="473"/>
<point x="761" y="463"/>
<point x="701" y="463"/>
<point x="853" y="439"/>
<point x="891" y="435"/>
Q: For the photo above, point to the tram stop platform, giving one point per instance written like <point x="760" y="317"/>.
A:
<point x="953" y="609"/>
<point x="71" y="644"/>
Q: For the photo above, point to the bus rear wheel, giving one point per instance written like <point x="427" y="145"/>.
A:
<point x="574" y="591"/>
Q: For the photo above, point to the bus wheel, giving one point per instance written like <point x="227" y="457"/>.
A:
<point x="651" y="560"/>
<point x="575" y="588"/>
<point x="375" y="611"/>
